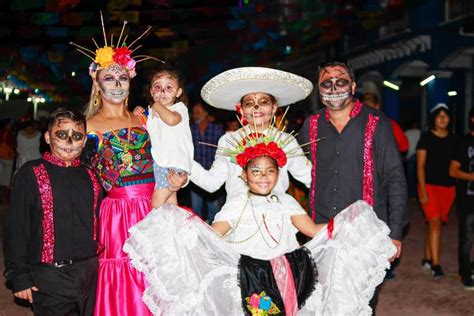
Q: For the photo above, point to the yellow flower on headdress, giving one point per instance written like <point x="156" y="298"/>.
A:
<point x="104" y="56"/>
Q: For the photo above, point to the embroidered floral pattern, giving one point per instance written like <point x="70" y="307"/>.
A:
<point x="313" y="136"/>
<point x="46" y="194"/>
<point x="109" y="168"/>
<point x="96" y="188"/>
<point x="59" y="162"/>
<point x="261" y="305"/>
<point x="368" y="180"/>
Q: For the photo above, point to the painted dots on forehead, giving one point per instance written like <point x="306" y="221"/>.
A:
<point x="115" y="69"/>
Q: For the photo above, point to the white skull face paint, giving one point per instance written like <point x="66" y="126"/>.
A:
<point x="66" y="139"/>
<point x="258" y="109"/>
<point x="261" y="175"/>
<point x="335" y="87"/>
<point x="114" y="84"/>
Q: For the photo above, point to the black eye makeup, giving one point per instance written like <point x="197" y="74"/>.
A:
<point x="76" y="136"/>
<point x="61" y="134"/>
<point x="64" y="135"/>
<point x="329" y="83"/>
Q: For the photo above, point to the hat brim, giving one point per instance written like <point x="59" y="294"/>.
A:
<point x="225" y="90"/>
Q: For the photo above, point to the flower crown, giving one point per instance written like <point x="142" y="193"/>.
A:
<point x="120" y="54"/>
<point x="252" y="145"/>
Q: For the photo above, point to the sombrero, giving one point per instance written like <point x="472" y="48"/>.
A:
<point x="225" y="90"/>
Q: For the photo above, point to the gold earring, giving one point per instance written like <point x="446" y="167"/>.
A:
<point x="96" y="98"/>
<point x="126" y="102"/>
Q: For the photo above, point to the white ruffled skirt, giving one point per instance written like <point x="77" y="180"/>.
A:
<point x="191" y="271"/>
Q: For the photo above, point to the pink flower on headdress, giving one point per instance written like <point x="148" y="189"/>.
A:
<point x="131" y="64"/>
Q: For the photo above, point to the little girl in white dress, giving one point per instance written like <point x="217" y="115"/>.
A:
<point x="249" y="262"/>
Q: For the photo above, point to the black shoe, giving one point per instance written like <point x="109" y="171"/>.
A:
<point x="468" y="285"/>
<point x="426" y="264"/>
<point x="389" y="275"/>
<point x="437" y="272"/>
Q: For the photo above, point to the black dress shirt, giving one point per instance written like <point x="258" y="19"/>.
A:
<point x="73" y="203"/>
<point x="340" y="169"/>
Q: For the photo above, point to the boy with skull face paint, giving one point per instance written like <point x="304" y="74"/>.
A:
<point x="50" y="240"/>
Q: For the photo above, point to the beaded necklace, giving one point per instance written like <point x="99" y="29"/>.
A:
<point x="259" y="227"/>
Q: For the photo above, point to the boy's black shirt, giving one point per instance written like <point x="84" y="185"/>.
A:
<point x="73" y="203"/>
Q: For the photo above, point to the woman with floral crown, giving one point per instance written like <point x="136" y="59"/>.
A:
<point x="249" y="261"/>
<point x="119" y="152"/>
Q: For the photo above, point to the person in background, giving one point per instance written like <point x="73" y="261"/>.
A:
<point x="373" y="101"/>
<point x="462" y="169"/>
<point x="413" y="134"/>
<point x="232" y="123"/>
<point x="204" y="131"/>
<point x="28" y="143"/>
<point x="7" y="157"/>
<point x="435" y="187"/>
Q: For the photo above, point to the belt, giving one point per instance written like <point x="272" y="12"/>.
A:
<point x="65" y="263"/>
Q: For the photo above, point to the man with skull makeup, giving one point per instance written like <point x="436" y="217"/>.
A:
<point x="358" y="159"/>
<point x="50" y="240"/>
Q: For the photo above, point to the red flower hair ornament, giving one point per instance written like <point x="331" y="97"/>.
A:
<point x="270" y="150"/>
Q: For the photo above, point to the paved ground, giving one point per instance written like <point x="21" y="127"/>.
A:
<point x="412" y="292"/>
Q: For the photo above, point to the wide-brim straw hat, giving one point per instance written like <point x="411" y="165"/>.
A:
<point x="225" y="90"/>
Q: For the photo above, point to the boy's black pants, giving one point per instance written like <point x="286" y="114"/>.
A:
<point x="67" y="290"/>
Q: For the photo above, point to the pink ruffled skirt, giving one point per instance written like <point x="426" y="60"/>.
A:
<point x="120" y="287"/>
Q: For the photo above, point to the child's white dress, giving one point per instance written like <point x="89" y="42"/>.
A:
<point x="171" y="146"/>
<point x="191" y="270"/>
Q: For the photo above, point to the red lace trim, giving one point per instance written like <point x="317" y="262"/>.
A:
<point x="96" y="187"/>
<point x="46" y="194"/>
<point x="59" y="162"/>
<point x="368" y="180"/>
<point x="330" y="228"/>
<point x="313" y="135"/>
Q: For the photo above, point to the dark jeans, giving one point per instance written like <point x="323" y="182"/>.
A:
<point x="411" y="176"/>
<point x="466" y="231"/>
<point x="68" y="290"/>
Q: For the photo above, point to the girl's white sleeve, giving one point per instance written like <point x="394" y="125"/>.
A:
<point x="211" y="180"/>
<point x="299" y="166"/>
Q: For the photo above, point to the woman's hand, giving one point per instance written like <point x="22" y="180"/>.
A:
<point x="424" y="198"/>
<point x="176" y="180"/>
<point x="138" y="111"/>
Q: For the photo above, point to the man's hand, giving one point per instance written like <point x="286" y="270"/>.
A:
<point x="176" y="180"/>
<point x="26" y="294"/>
<point x="398" y="245"/>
